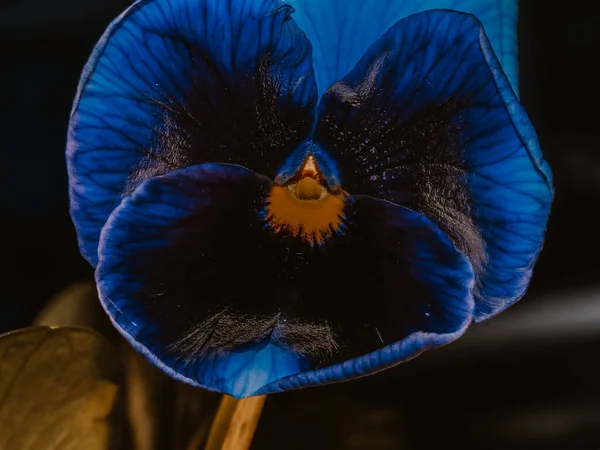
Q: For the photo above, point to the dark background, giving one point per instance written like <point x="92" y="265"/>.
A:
<point x="529" y="386"/>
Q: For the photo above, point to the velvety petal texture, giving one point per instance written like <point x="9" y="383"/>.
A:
<point x="192" y="275"/>
<point x="177" y="83"/>
<point x="427" y="119"/>
<point x="341" y="31"/>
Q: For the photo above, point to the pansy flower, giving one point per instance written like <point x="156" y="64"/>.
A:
<point x="284" y="194"/>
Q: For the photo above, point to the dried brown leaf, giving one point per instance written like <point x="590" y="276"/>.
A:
<point x="60" y="388"/>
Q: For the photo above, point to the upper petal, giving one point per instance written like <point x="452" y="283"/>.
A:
<point x="197" y="280"/>
<point x="174" y="83"/>
<point x="341" y="31"/>
<point x="428" y="119"/>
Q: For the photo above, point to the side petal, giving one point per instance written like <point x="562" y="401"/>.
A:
<point x="173" y="83"/>
<point x="341" y="31"/>
<point x="428" y="119"/>
<point x="196" y="280"/>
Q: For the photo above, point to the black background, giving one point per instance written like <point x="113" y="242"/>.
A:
<point x="530" y="396"/>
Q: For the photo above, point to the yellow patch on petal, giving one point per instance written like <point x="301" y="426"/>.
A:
<point x="306" y="209"/>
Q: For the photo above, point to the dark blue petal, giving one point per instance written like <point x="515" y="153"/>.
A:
<point x="341" y="31"/>
<point x="156" y="293"/>
<point x="428" y="119"/>
<point x="173" y="83"/>
<point x="196" y="280"/>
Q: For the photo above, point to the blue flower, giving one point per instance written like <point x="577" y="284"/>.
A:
<point x="275" y="198"/>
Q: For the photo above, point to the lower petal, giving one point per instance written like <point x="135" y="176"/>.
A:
<point x="194" y="276"/>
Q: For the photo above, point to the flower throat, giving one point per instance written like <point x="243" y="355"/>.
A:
<point x="305" y="206"/>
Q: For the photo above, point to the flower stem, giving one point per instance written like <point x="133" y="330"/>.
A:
<point x="235" y="423"/>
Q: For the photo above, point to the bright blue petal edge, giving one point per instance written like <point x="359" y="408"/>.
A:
<point x="533" y="178"/>
<point x="142" y="63"/>
<point x="341" y="31"/>
<point x="387" y="357"/>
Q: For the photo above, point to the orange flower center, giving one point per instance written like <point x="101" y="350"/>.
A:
<point x="305" y="207"/>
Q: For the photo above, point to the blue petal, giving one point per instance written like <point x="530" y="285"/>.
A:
<point x="173" y="83"/>
<point x="193" y="278"/>
<point x="341" y="31"/>
<point x="428" y="119"/>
